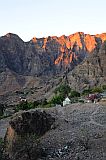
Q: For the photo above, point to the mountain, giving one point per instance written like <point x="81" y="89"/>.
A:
<point x="91" y="72"/>
<point x="31" y="64"/>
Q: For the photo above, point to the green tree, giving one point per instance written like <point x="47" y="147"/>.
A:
<point x="104" y="87"/>
<point x="74" y="94"/>
<point x="57" y="99"/>
<point x="63" y="90"/>
<point x="22" y="106"/>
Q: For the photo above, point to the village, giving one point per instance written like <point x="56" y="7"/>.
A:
<point x="91" y="98"/>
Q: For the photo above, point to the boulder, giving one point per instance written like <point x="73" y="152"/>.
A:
<point x="24" y="130"/>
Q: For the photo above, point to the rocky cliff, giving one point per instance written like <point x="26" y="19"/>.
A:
<point x="22" y="63"/>
<point x="92" y="71"/>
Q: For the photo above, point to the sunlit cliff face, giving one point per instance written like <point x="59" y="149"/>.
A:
<point x="44" y="44"/>
<point x="102" y="36"/>
<point x="67" y="44"/>
<point x="90" y="42"/>
<point x="82" y="41"/>
<point x="34" y="40"/>
<point x="70" y="47"/>
<point x="59" y="59"/>
<point x="76" y="38"/>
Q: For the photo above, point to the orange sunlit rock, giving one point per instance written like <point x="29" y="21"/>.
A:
<point x="62" y="40"/>
<point x="34" y="40"/>
<point x="102" y="36"/>
<point x="66" y="52"/>
<point x="76" y="38"/>
<point x="68" y="44"/>
<point x="66" y="61"/>
<point x="71" y="58"/>
<point x="59" y="59"/>
<point x="45" y="41"/>
<point x="90" y="42"/>
<point x="10" y="133"/>
<point x="62" y="49"/>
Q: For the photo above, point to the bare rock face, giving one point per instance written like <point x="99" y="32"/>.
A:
<point x="23" y="131"/>
<point x="12" y="50"/>
<point x="32" y="122"/>
<point x="92" y="71"/>
<point x="42" y="57"/>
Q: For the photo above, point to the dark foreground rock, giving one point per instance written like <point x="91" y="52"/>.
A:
<point x="36" y="122"/>
<point x="23" y="132"/>
<point x="78" y="133"/>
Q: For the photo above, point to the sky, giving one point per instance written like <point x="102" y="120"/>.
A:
<point x="42" y="18"/>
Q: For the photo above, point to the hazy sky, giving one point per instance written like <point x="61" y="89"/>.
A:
<point x="41" y="18"/>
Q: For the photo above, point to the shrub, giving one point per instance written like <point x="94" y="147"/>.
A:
<point x="36" y="103"/>
<point x="63" y="90"/>
<point x="104" y="87"/>
<point x="58" y="99"/>
<point x="97" y="89"/>
<point x="74" y="94"/>
<point x="24" y="105"/>
<point x="86" y="91"/>
<point x="81" y="100"/>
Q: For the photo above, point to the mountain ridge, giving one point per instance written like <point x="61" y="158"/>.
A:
<point x="23" y="64"/>
<point x="65" y="48"/>
<point x="101" y="35"/>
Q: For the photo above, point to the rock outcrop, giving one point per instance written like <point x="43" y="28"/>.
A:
<point x="24" y="129"/>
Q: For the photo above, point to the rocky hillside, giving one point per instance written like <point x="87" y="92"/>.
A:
<point x="26" y="64"/>
<point x="92" y="71"/>
<point x="74" y="132"/>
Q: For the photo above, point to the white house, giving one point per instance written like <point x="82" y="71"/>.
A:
<point x="66" y="101"/>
